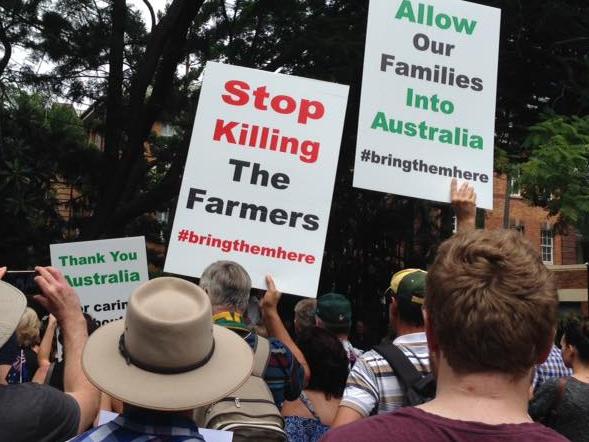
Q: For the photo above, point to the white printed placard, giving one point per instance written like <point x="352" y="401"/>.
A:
<point x="427" y="110"/>
<point x="259" y="177"/>
<point x="103" y="272"/>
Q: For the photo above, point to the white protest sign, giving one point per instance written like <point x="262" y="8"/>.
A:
<point x="104" y="273"/>
<point x="259" y="177"/>
<point x="427" y="112"/>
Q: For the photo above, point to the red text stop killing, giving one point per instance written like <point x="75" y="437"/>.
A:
<point x="251" y="135"/>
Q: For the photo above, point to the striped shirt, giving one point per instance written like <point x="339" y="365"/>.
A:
<point x="373" y="388"/>
<point x="352" y="352"/>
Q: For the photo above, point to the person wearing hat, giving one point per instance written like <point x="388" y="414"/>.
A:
<point x="372" y="387"/>
<point x="490" y="313"/>
<point x="228" y="286"/>
<point x="334" y="313"/>
<point x="36" y="412"/>
<point x="164" y="360"/>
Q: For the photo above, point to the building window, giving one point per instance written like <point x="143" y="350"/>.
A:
<point x="514" y="187"/>
<point x="454" y="224"/>
<point x="547" y="245"/>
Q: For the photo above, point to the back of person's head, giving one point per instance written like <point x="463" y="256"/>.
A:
<point x="408" y="291"/>
<point x="167" y="355"/>
<point x="304" y="314"/>
<point x="491" y="303"/>
<point x="334" y="312"/>
<point x="29" y="328"/>
<point x="227" y="284"/>
<point x="576" y="335"/>
<point x="327" y="359"/>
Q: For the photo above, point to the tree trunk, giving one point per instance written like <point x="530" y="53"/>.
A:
<point x="7" y="49"/>
<point x="164" y="52"/>
<point x="114" y="101"/>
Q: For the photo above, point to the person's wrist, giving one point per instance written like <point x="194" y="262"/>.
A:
<point x="466" y="217"/>
<point x="270" y="311"/>
<point x="72" y="320"/>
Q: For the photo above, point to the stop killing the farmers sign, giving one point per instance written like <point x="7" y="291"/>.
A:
<point x="427" y="110"/>
<point x="104" y="273"/>
<point x="258" y="181"/>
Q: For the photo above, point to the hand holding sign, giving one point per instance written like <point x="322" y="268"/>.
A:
<point x="57" y="296"/>
<point x="464" y="202"/>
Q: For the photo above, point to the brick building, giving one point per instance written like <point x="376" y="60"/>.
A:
<point x="561" y="251"/>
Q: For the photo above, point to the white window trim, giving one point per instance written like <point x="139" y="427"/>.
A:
<point x="544" y="245"/>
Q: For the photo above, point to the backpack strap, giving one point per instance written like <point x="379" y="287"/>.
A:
<point x="400" y="363"/>
<point x="261" y="356"/>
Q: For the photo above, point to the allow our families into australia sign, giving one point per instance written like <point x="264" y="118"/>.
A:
<point x="427" y="111"/>
<point x="259" y="177"/>
<point x="104" y="273"/>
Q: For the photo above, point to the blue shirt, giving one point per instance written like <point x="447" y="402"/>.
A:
<point x="552" y="368"/>
<point x="144" y="427"/>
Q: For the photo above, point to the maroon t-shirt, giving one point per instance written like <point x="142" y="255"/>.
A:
<point x="415" y="425"/>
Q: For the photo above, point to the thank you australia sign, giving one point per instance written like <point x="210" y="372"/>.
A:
<point x="427" y="108"/>
<point x="104" y="273"/>
<point x="259" y="177"/>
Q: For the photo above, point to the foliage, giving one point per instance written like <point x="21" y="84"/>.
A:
<point x="557" y="173"/>
<point x="41" y="144"/>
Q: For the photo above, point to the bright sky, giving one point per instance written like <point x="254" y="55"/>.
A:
<point x="19" y="56"/>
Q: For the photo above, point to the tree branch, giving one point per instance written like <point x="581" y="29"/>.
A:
<point x="114" y="102"/>
<point x="151" y="13"/>
<point x="7" y="49"/>
<point x="167" y="43"/>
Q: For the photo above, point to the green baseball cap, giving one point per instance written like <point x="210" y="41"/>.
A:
<point x="334" y="310"/>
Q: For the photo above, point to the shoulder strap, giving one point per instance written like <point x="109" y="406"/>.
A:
<point x="49" y="374"/>
<point x="307" y="403"/>
<point x="400" y="363"/>
<point x="261" y="356"/>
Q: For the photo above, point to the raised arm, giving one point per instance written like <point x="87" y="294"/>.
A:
<point x="44" y="353"/>
<point x="463" y="200"/>
<point x="62" y="301"/>
<point x="275" y="326"/>
<point x="4" y="364"/>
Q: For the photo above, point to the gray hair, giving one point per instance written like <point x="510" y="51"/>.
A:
<point x="304" y="314"/>
<point x="227" y="284"/>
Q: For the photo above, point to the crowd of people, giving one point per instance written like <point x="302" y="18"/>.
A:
<point x="477" y="355"/>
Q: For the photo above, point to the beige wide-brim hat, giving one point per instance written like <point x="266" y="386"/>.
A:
<point x="12" y="306"/>
<point x="168" y="327"/>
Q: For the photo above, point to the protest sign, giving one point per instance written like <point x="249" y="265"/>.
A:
<point x="104" y="273"/>
<point x="259" y="177"/>
<point x="427" y="110"/>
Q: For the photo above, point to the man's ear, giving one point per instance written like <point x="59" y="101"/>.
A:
<point x="393" y="308"/>
<point x="432" y="340"/>
<point x="544" y="350"/>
